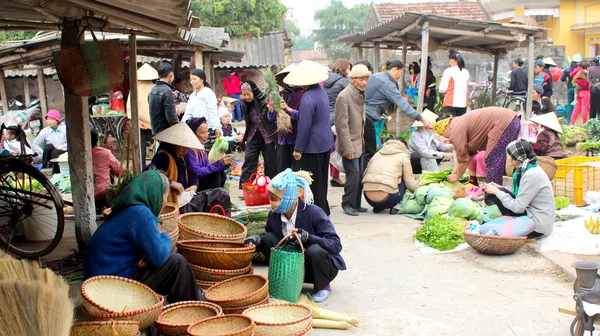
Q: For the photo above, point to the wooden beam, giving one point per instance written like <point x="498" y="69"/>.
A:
<point x="26" y="90"/>
<point x="409" y="28"/>
<point x="471" y="33"/>
<point x="530" y="75"/>
<point x="424" y="61"/>
<point x="42" y="93"/>
<point x="3" y="93"/>
<point x="465" y="37"/>
<point x="25" y="55"/>
<point x="376" y="58"/>
<point x="79" y="144"/>
<point x="133" y="94"/>
<point x="199" y="62"/>
<point x="495" y="79"/>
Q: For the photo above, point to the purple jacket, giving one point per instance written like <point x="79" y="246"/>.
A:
<point x="313" y="220"/>
<point x="201" y="168"/>
<point x="314" y="130"/>
<point x="160" y="161"/>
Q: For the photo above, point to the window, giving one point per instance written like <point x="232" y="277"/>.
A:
<point x="541" y="18"/>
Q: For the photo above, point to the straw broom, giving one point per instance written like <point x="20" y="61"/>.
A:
<point x="12" y="269"/>
<point x="323" y="318"/>
<point x="284" y="122"/>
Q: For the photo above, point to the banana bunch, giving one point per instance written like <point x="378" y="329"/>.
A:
<point x="593" y="225"/>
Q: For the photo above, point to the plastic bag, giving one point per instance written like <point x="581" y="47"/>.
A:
<point x="336" y="160"/>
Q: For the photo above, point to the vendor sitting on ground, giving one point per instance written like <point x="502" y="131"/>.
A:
<point x="128" y="243"/>
<point x="388" y="175"/>
<point x="541" y="105"/>
<point x="12" y="144"/>
<point x="205" y="175"/>
<point x="548" y="141"/>
<point x="104" y="164"/>
<point x="532" y="206"/>
<point x="290" y="214"/>
<point x="52" y="140"/>
<point x="425" y="144"/>
<point x="175" y="142"/>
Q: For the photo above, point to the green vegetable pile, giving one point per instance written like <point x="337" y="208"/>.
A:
<point x="218" y="150"/>
<point x="428" y="177"/>
<point x="255" y="221"/>
<point x="573" y="135"/>
<point x="442" y="232"/>
<point x="590" y="145"/>
<point x="561" y="202"/>
<point x="62" y="182"/>
<point x="592" y="126"/>
<point x="467" y="209"/>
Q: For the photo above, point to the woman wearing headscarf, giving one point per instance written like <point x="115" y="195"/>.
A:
<point x="489" y="129"/>
<point x="203" y="102"/>
<point x="455" y="85"/>
<point x="290" y="104"/>
<point x="175" y="142"/>
<point x="548" y="141"/>
<point x="128" y="244"/>
<point x="531" y="201"/>
<point x="291" y="217"/>
<point x="261" y="133"/>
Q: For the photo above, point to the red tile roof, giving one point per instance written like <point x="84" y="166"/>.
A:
<point x="463" y="10"/>
<point x="312" y="55"/>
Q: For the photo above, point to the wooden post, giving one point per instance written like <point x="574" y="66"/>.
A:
<point x="138" y="156"/>
<point x="176" y="64"/>
<point x="530" y="75"/>
<point x="376" y="58"/>
<point x="198" y="61"/>
<point x="42" y="94"/>
<point x="206" y="62"/>
<point x="3" y="93"/>
<point x="495" y="80"/>
<point x="424" y="59"/>
<point x="403" y="82"/>
<point x="360" y="53"/>
<point x="80" y="150"/>
<point x="26" y="90"/>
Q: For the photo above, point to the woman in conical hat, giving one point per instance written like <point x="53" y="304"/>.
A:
<point x="548" y="142"/>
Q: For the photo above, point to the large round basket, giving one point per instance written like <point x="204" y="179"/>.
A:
<point x="199" y="225"/>
<point x="547" y="164"/>
<point x="493" y="245"/>
<point x="145" y="317"/>
<point x="240" y="310"/>
<point x="307" y="331"/>
<point x="106" y="328"/>
<point x="275" y="319"/>
<point x="111" y="294"/>
<point x="224" y="325"/>
<point x="216" y="255"/>
<point x="175" y="319"/>
<point x="169" y="218"/>
<point x="213" y="274"/>
<point x="240" y="291"/>
<point x="174" y="236"/>
<point x="206" y="284"/>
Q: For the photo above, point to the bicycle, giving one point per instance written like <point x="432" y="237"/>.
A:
<point x="31" y="208"/>
<point x="507" y="99"/>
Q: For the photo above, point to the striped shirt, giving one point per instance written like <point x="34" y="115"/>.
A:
<point x="455" y="85"/>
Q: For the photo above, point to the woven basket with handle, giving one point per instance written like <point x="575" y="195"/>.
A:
<point x="224" y="325"/>
<point x="494" y="245"/>
<point x="212" y="274"/>
<point x="217" y="255"/>
<point x="106" y="328"/>
<point x="169" y="218"/>
<point x="197" y="225"/>
<point x="286" y="270"/>
<point x="240" y="291"/>
<point x="175" y="319"/>
<point x="275" y="319"/>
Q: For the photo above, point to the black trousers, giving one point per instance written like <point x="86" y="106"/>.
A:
<point x="145" y="141"/>
<point x="319" y="268"/>
<point x="254" y="147"/>
<point x="595" y="102"/>
<point x="207" y="199"/>
<point x="214" y="180"/>
<point x="50" y="153"/>
<point x="175" y="279"/>
<point x="353" y="186"/>
<point x="285" y="157"/>
<point x="370" y="143"/>
<point x="455" y="111"/>
<point x="318" y="165"/>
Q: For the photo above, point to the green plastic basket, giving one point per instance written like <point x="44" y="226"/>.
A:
<point x="286" y="270"/>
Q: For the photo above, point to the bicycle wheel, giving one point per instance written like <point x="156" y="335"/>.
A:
<point x="31" y="211"/>
<point x="516" y="104"/>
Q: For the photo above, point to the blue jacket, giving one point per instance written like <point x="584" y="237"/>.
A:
<point x="118" y="244"/>
<point x="314" y="129"/>
<point x="380" y="93"/>
<point x="313" y="220"/>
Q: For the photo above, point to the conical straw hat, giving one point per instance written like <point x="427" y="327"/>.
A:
<point x="427" y="115"/>
<point x="228" y="100"/>
<point x="147" y="72"/>
<point x="287" y="69"/>
<point x="306" y="73"/>
<point x="181" y="135"/>
<point x="549" y="61"/>
<point x="549" y="120"/>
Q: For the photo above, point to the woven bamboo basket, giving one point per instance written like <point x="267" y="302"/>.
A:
<point x="169" y="218"/>
<point x="213" y="274"/>
<point x="111" y="294"/>
<point x="145" y="317"/>
<point x="240" y="310"/>
<point x="174" y="320"/>
<point x="277" y="319"/>
<point x="106" y="328"/>
<point x="224" y="325"/>
<point x="216" y="255"/>
<point x="240" y="291"/>
<point x="199" y="225"/>
<point x="307" y="331"/>
<point x="493" y="245"/>
<point x="206" y="284"/>
<point x="174" y="235"/>
<point x="547" y="164"/>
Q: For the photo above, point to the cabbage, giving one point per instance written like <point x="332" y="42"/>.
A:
<point x="561" y="202"/>
<point x="463" y="208"/>
<point x="438" y="190"/>
<point x="411" y="206"/>
<point x="438" y="206"/>
<point x="421" y="194"/>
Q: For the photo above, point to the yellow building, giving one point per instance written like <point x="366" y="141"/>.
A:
<point x="575" y="24"/>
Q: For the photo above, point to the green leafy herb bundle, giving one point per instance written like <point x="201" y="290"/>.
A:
<point x="442" y="232"/>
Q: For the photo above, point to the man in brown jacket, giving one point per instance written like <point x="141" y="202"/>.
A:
<point x="349" y="124"/>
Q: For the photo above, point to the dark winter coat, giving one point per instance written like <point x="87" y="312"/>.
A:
<point x="333" y="86"/>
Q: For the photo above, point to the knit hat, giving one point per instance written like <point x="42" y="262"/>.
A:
<point x="441" y="125"/>
<point x="427" y="115"/>
<point x="359" y="71"/>
<point x="306" y="73"/>
<point x="180" y="135"/>
<point x="54" y="114"/>
<point x="539" y="88"/>
<point x="223" y="111"/>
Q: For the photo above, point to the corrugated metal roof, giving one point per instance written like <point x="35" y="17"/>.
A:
<point x="263" y="51"/>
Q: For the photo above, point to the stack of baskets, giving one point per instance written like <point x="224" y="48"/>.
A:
<point x="281" y="319"/>
<point x="175" y="319"/>
<point x="169" y="220"/>
<point x="240" y="293"/>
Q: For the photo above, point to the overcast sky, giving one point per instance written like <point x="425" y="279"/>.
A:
<point x="303" y="11"/>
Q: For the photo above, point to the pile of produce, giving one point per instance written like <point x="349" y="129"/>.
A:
<point x="573" y="135"/>
<point x="62" y="182"/>
<point x="592" y="225"/>
<point x="255" y="221"/>
<point x="327" y="319"/>
<point x="561" y="202"/>
<point x="442" y="232"/>
<point x="467" y="209"/>
<point x="284" y="122"/>
<point x="430" y="177"/>
<point x="592" y="126"/>
<point x="218" y="150"/>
